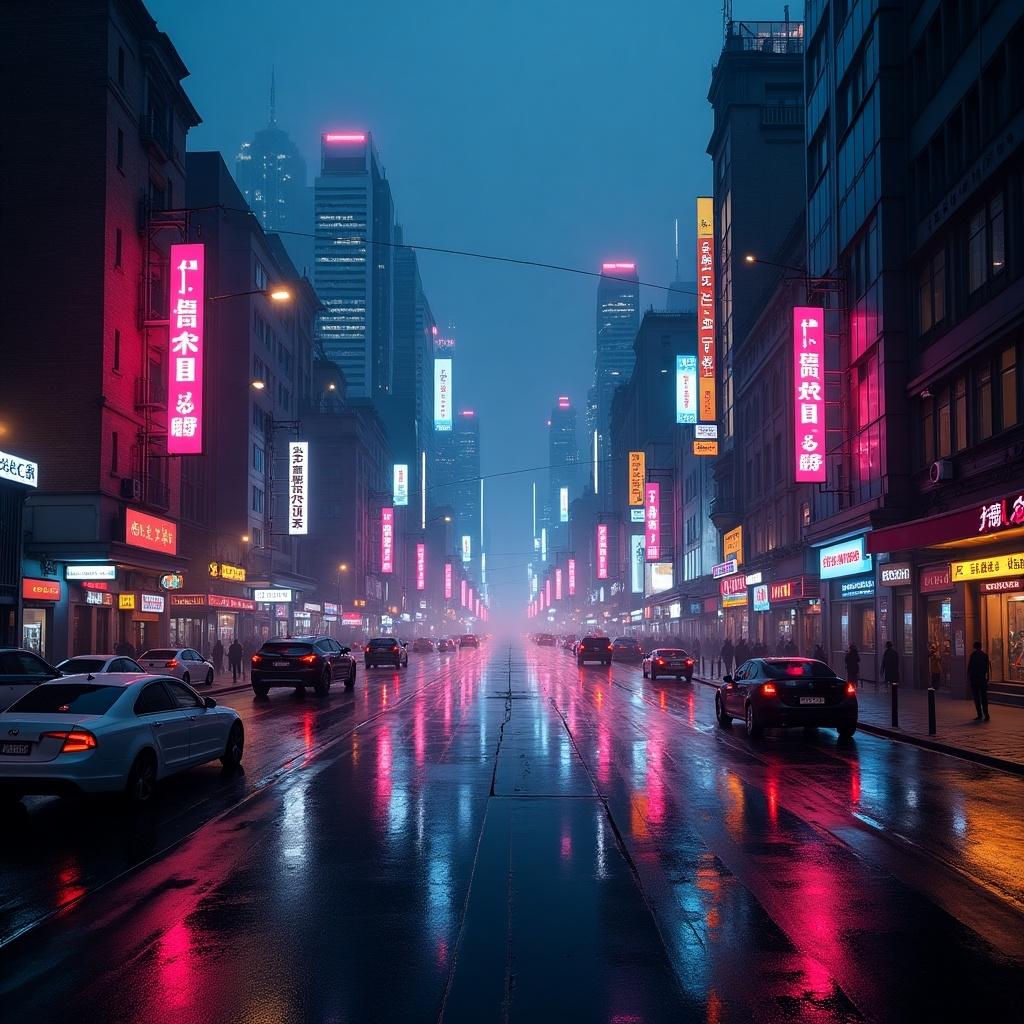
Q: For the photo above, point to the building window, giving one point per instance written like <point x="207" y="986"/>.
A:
<point x="262" y="281"/>
<point x="114" y="461"/>
<point x="121" y="77"/>
<point x="976" y="274"/>
<point x="932" y="292"/>
<point x="120" y="150"/>
<point x="117" y="349"/>
<point x="257" y="537"/>
<point x="928" y="430"/>
<point x="945" y="448"/>
<point x="1008" y="387"/>
<point x="117" y="247"/>
<point x="258" y="458"/>
<point x="997" y="235"/>
<point x="257" y="499"/>
<point x="960" y="414"/>
<point x="985" y="403"/>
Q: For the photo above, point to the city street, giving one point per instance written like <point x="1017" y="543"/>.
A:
<point x="500" y="835"/>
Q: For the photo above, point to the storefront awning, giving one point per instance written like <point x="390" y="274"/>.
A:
<point x="966" y="527"/>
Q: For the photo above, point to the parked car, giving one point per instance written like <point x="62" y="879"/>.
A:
<point x="83" y="664"/>
<point x="469" y="640"/>
<point x="423" y="645"/>
<point x="186" y="664"/>
<point x="783" y="692"/>
<point x="301" y="661"/>
<point x="594" y="648"/>
<point x="386" y="650"/>
<point x="21" y="671"/>
<point x="122" y="732"/>
<point x="447" y="643"/>
<point x="626" y="648"/>
<point x="668" y="661"/>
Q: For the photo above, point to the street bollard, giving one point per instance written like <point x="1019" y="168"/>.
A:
<point x="931" y="710"/>
<point x="894" y="690"/>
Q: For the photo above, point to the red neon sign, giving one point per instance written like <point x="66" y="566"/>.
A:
<point x="186" y="342"/>
<point x="602" y="551"/>
<point x="652" y="521"/>
<point x="387" y="540"/>
<point x="40" y="590"/>
<point x="421" y="566"/>
<point x="142" y="530"/>
<point x="809" y="393"/>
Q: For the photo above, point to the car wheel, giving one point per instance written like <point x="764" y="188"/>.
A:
<point x="579" y="661"/>
<point x="351" y="681"/>
<point x="260" y="689"/>
<point x="140" y="788"/>
<point x="232" y="756"/>
<point x="644" y="672"/>
<point x="186" y="679"/>
<point x="323" y="684"/>
<point x="724" y="720"/>
<point x="846" y="731"/>
<point x="754" y="727"/>
<point x="209" y="678"/>
<point x="654" y="675"/>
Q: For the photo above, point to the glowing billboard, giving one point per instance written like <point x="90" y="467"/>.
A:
<point x="298" y="487"/>
<point x="636" y="563"/>
<point x="652" y="521"/>
<point x="809" y="393"/>
<point x="186" y="343"/>
<point x="447" y="581"/>
<point x="467" y="548"/>
<point x="686" y="389"/>
<point x="421" y="566"/>
<point x="442" y="394"/>
<point x="563" y="504"/>
<point x="572" y="577"/>
<point x="706" y="351"/>
<point x="387" y="540"/>
<point x="558" y="584"/>
<point x="602" y="551"/>
<point x="400" y="490"/>
<point x="637" y="476"/>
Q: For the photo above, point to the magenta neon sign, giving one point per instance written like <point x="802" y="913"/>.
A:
<point x="602" y="551"/>
<point x="387" y="540"/>
<point x="345" y="137"/>
<point x="652" y="522"/>
<point x="186" y="341"/>
<point x="447" y="581"/>
<point x="421" y="566"/>
<point x="809" y="393"/>
<point x="558" y="584"/>
<point x="572" y="577"/>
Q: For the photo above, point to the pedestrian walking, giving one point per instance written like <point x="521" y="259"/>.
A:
<point x="742" y="651"/>
<point x="217" y="654"/>
<point x="727" y="655"/>
<point x="696" y="653"/>
<point x="890" y="665"/>
<point x="978" y="670"/>
<point x="235" y="659"/>
<point x="819" y="653"/>
<point x="852" y="660"/>
<point x="934" y="667"/>
<point x="791" y="649"/>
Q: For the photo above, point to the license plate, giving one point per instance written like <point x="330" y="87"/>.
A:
<point x="676" y="664"/>
<point x="812" y="700"/>
<point x="281" y="664"/>
<point x="15" y="748"/>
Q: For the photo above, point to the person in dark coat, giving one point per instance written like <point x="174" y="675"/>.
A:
<point x="852" y="660"/>
<point x="742" y="651"/>
<point x="978" y="670"/>
<point x="819" y="653"/>
<point x="124" y="650"/>
<point x="217" y="655"/>
<point x="727" y="655"/>
<point x="791" y="649"/>
<point x="890" y="665"/>
<point x="235" y="659"/>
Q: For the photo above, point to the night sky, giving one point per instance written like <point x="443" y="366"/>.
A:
<point x="567" y="133"/>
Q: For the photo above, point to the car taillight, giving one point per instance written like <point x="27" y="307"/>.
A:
<point x="609" y="647"/>
<point x="75" y="740"/>
<point x="256" y="658"/>
<point x="689" y="662"/>
<point x="395" y="649"/>
<point x="173" y="663"/>
<point x="768" y="689"/>
<point x="659" y="661"/>
<point x="308" y="658"/>
<point x="851" y="689"/>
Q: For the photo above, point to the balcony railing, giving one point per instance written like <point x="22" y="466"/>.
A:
<point x="150" y="393"/>
<point x="782" y="115"/>
<point x="766" y="36"/>
<point x="156" y="135"/>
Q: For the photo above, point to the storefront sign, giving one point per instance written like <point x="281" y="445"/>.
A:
<point x="894" y="574"/>
<point x="809" y="393"/>
<point x="188" y="600"/>
<point x="1001" y="586"/>
<point x="636" y="563"/>
<point x="637" y="515"/>
<point x="706" y="351"/>
<point x="97" y="598"/>
<point x="40" y="590"/>
<point x="563" y="504"/>
<point x="225" y="571"/>
<point x="187" y="342"/>
<point x="400" y="487"/>
<point x="706" y="431"/>
<point x="330" y="608"/>
<point x="572" y="577"/>
<point x="447" y="581"/>
<point x="172" y="581"/>
<point x="637" y="477"/>
<point x="18" y="470"/>
<point x="126" y="602"/>
<point x="726" y="568"/>
<point x="982" y="568"/>
<point x="272" y="595"/>
<point x="652" y="521"/>
<point x="467" y="548"/>
<point x="933" y="578"/>
<point x="686" y="389"/>
<point x="547" y="591"/>
<point x="387" y="540"/>
<point x="152" y="603"/>
<point x="95" y="585"/>
<point x="237" y="604"/>
<point x="753" y="579"/>
<point x="675" y="610"/>
<point x="421" y="566"/>
<point x="90" y="572"/>
<point x="558" y="584"/>
<point x="850" y="590"/>
<point x="310" y="606"/>
<point x="734" y="600"/>
<point x="732" y="545"/>
<point x="761" y="602"/>
<point x="848" y="558"/>
<point x="705" y="447"/>
<point x="351" y="619"/>
<point x="298" y="488"/>
<point x="442" y="394"/>
<point x="141" y="530"/>
<point x="602" y="551"/>
<point x="1001" y="515"/>
<point x="732" y="585"/>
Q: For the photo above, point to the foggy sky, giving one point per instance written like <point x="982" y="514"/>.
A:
<point x="566" y="132"/>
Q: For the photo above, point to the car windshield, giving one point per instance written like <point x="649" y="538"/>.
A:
<point x="798" y="670"/>
<point x="286" y="648"/>
<point x="75" y="665"/>
<point x="161" y="655"/>
<point x="671" y="652"/>
<point x="67" y="699"/>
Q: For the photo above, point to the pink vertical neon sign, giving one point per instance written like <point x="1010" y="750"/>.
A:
<point x="652" y="521"/>
<point x="547" y="592"/>
<point x="387" y="540"/>
<point x="809" y="393"/>
<point x="462" y="593"/>
<point x="558" y="584"/>
<point x="421" y="566"/>
<point x="602" y="551"/>
<point x="572" y="577"/>
<point x="447" y="581"/>
<point x="186" y="339"/>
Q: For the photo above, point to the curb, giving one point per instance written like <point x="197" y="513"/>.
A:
<point x="964" y="753"/>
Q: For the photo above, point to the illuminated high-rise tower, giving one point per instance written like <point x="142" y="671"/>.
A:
<point x="563" y="465"/>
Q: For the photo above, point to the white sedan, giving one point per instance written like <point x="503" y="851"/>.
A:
<point x="185" y="663"/>
<point x="122" y="732"/>
<point x="83" y="664"/>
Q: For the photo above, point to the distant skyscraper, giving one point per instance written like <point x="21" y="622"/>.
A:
<point x="618" y="317"/>
<point x="465" y="443"/>
<point x="681" y="296"/>
<point x="563" y="464"/>
<point x="353" y="275"/>
<point x="271" y="175"/>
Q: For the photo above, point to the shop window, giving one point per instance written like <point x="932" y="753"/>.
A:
<point x="1008" y="387"/>
<point x="867" y="631"/>
<point x="960" y="413"/>
<point x="984" y="403"/>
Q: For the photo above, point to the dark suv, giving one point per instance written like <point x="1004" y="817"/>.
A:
<point x="627" y="648"/>
<point x="301" y="661"/>
<point x="386" y="650"/>
<point x="594" y="648"/>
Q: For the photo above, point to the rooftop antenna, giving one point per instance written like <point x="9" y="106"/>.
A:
<point x="726" y="17"/>
<point x="273" y="98"/>
<point x="677" y="248"/>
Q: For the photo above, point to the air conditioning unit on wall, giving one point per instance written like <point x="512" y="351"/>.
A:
<point x="941" y="470"/>
<point x="131" y="488"/>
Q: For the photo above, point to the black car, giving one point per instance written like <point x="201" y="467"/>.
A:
<point x="767" y="692"/>
<point x="469" y="640"/>
<point x="668" y="661"/>
<point x="423" y="645"/>
<point x="21" y="671"/>
<point x="386" y="650"/>
<point x="447" y="643"/>
<point x="301" y="661"/>
<point x="594" y="648"/>
<point x="627" y="648"/>
<point x="545" y="640"/>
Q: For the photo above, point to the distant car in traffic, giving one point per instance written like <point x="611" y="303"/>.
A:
<point x="82" y="664"/>
<point x="121" y="732"/>
<point x="386" y="650"/>
<point x="594" y="648"/>
<point x="567" y="642"/>
<point x="785" y="692"/>
<point x="184" y="663"/>
<point x="447" y="643"/>
<point x="469" y="640"/>
<point x="21" y="671"/>
<point x="668" y="661"/>
<point x="626" y="648"/>
<point x="545" y="640"/>
<point x="423" y="645"/>
<point x="300" y="661"/>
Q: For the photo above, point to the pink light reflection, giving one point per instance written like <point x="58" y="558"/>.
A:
<point x="345" y="137"/>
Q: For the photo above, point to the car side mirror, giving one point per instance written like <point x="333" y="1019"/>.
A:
<point x="727" y="680"/>
<point x="210" y="702"/>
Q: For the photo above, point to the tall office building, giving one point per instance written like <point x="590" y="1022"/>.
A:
<point x="618" y="317"/>
<point x="354" y="262"/>
<point x="563" y="465"/>
<point x="271" y="174"/>
<point x="465" y="444"/>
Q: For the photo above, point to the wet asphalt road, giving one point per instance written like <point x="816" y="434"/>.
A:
<point x="496" y="836"/>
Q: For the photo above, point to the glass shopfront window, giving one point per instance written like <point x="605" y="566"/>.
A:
<point x="940" y="632"/>
<point x="34" y="632"/>
<point x="1003" y="635"/>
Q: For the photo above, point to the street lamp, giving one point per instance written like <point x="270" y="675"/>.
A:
<point x="813" y="284"/>
<point x="276" y="294"/>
